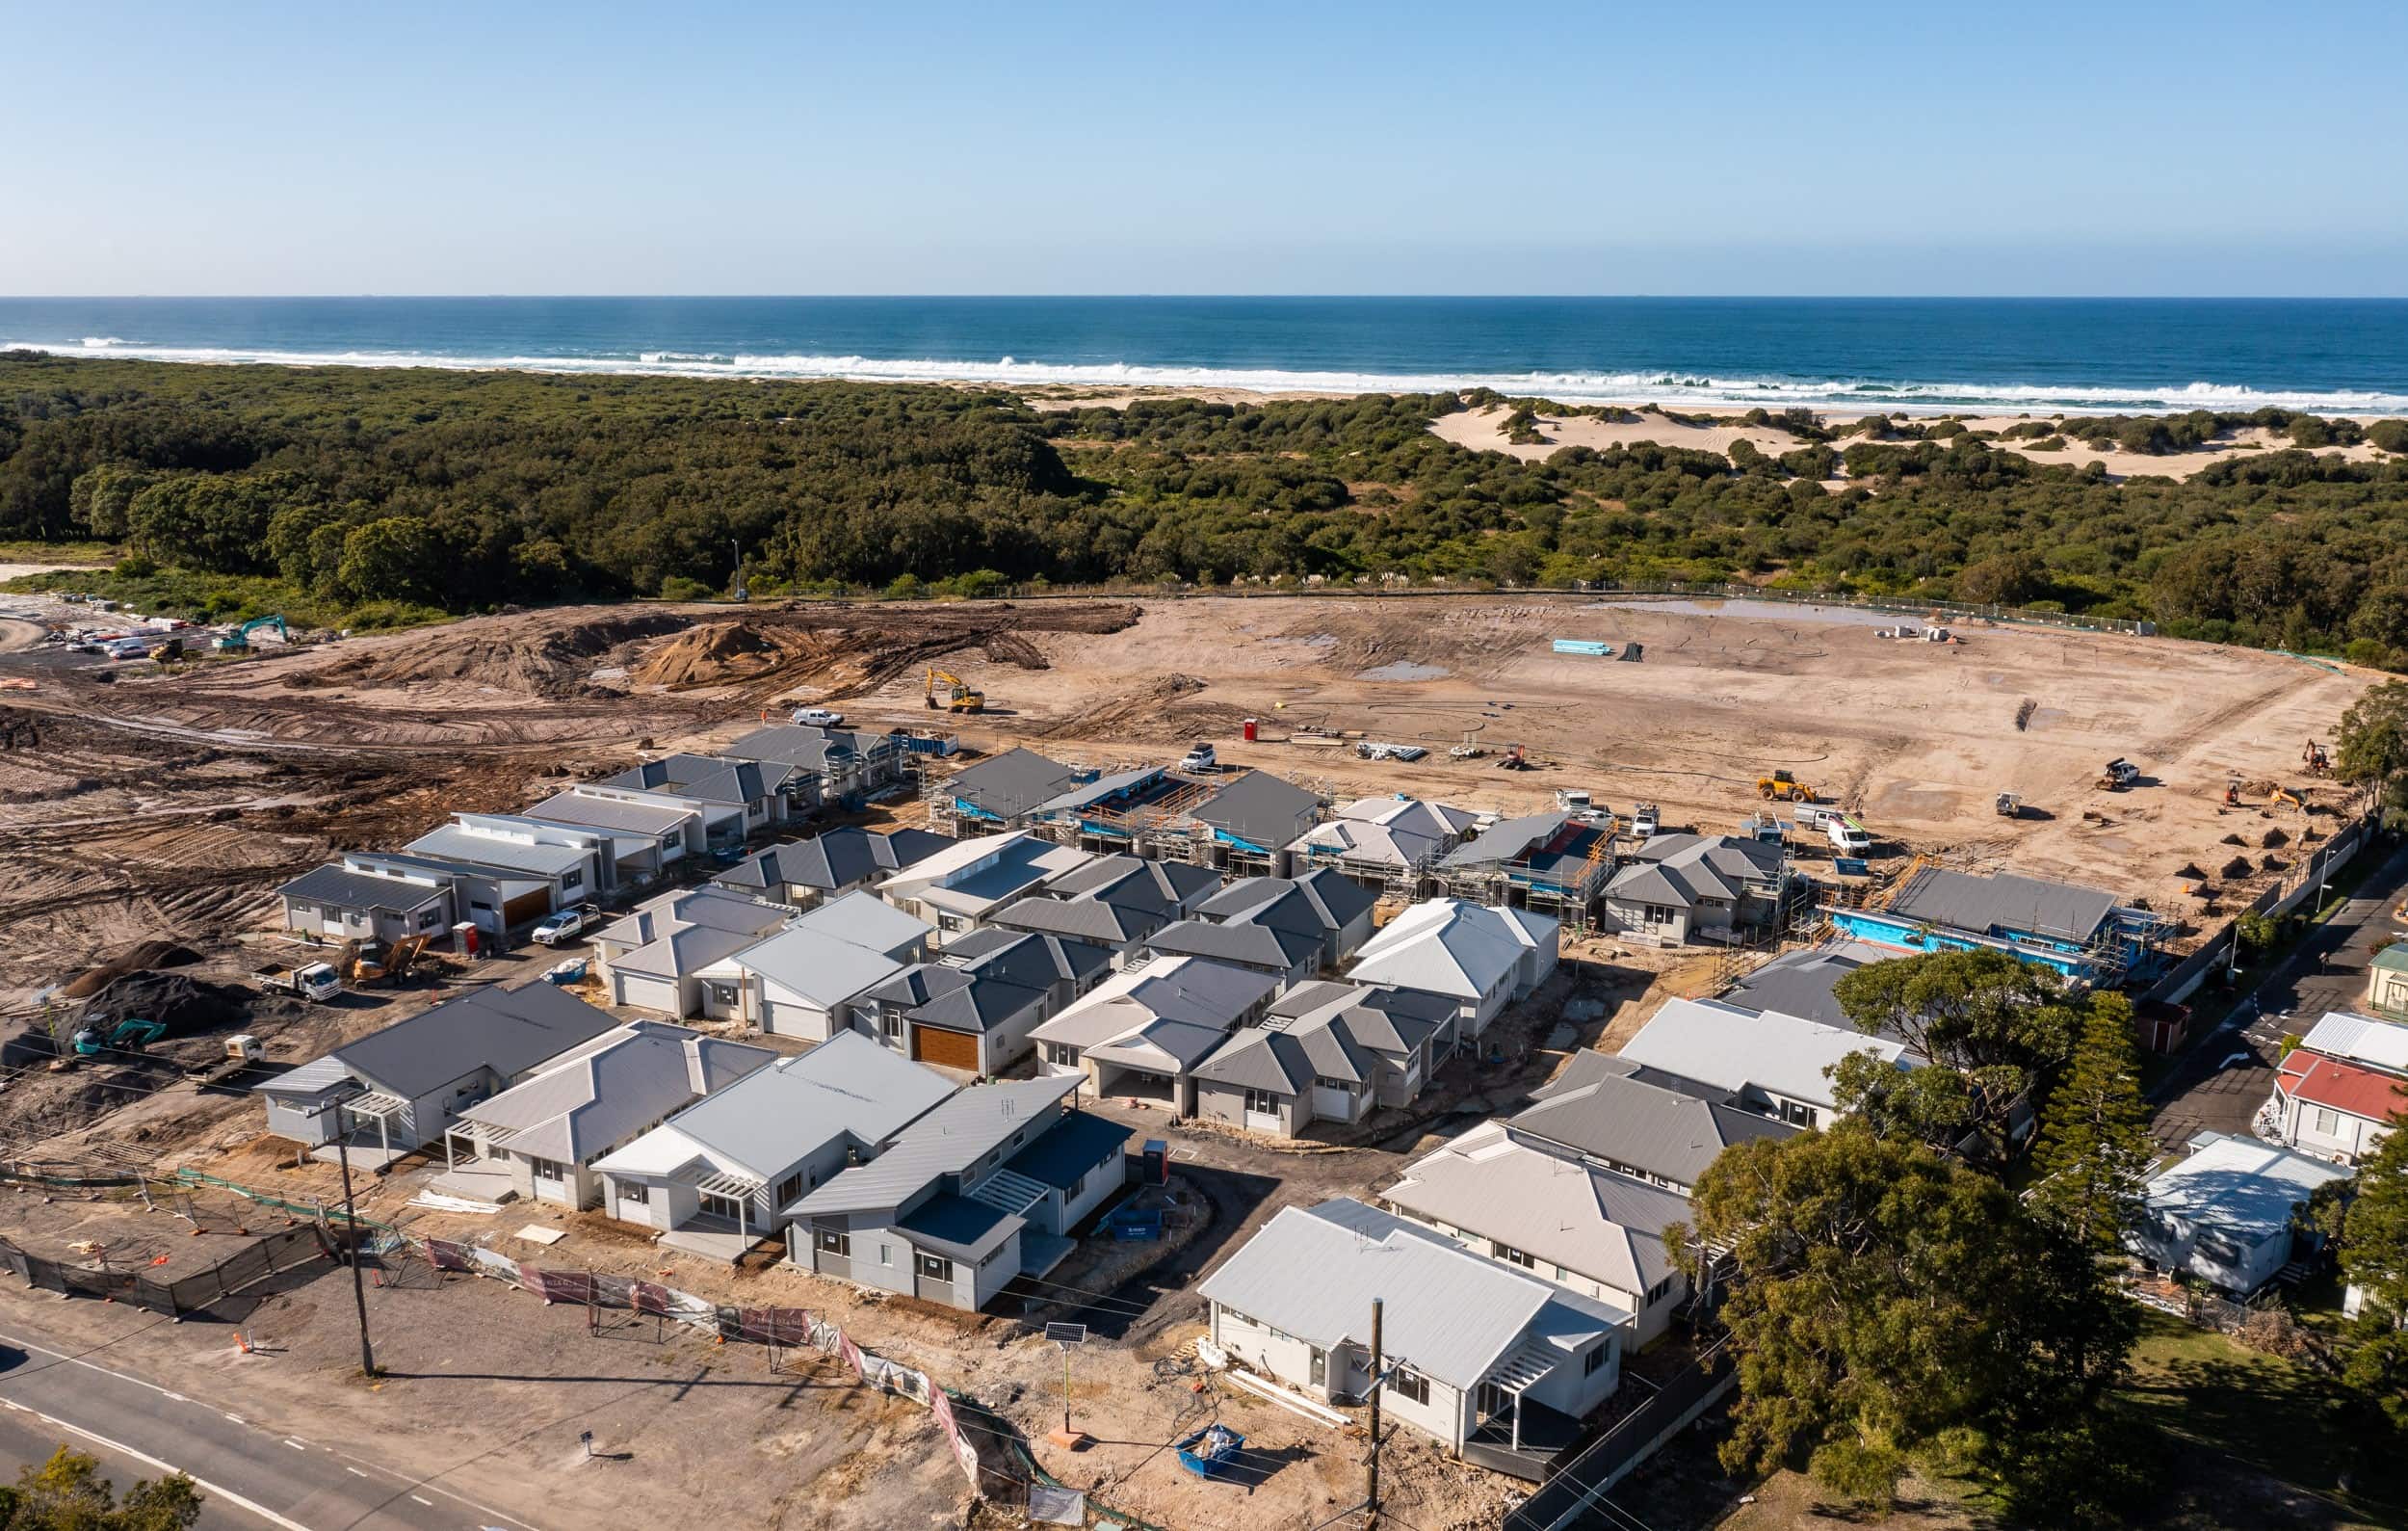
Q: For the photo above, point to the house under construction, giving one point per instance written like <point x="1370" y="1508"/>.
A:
<point x="2083" y="934"/>
<point x="1545" y="862"/>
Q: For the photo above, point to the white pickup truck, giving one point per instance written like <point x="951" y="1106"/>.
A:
<point x="565" y="924"/>
<point x="818" y="717"/>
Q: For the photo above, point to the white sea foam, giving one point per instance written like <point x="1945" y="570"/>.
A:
<point x="1674" y="388"/>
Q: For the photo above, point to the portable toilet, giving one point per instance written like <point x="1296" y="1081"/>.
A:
<point x="1157" y="1161"/>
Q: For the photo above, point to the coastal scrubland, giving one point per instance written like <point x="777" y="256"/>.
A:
<point x="380" y="496"/>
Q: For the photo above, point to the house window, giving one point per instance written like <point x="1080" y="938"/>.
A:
<point x="1261" y="1102"/>
<point x="936" y="1268"/>
<point x="1797" y="1114"/>
<point x="1511" y="1256"/>
<point x="547" y="1170"/>
<point x="571" y="882"/>
<point x="1656" y="1293"/>
<point x="428" y="918"/>
<point x="836" y="1242"/>
<point x="2328" y="1123"/>
<point x="1078" y="1185"/>
<point x="790" y="1188"/>
<point x="1062" y="1053"/>
<point x="1336" y="1084"/>
<point x="949" y="922"/>
<point x="726" y="1206"/>
<point x="635" y="1193"/>
<point x="1595" y="1358"/>
<point x="894" y="1025"/>
<point x="1659" y="915"/>
<point x="1412" y="1386"/>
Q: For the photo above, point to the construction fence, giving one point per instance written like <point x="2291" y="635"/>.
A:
<point x="1574" y="1489"/>
<point x="272" y="1254"/>
<point x="2308" y="875"/>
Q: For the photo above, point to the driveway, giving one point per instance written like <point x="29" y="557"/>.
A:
<point x="2228" y="1075"/>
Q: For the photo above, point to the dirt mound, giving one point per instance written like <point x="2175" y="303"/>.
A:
<point x="134" y="960"/>
<point x="555" y="663"/>
<point x="1154" y="711"/>
<point x="2273" y="837"/>
<point x="723" y="653"/>
<point x="2238" y="867"/>
<point x="1013" y="648"/>
<point x="834" y="650"/>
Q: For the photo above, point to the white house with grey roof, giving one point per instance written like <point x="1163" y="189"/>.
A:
<point x="712" y="1180"/>
<point x="1774" y="1062"/>
<point x="654" y="955"/>
<point x="988" y="1187"/>
<point x="1563" y="1219"/>
<point x="956" y="888"/>
<point x="507" y="879"/>
<point x="400" y="1087"/>
<point x="649" y="837"/>
<point x="768" y="792"/>
<point x="539" y="1139"/>
<point x="1644" y="1122"/>
<point x="340" y="901"/>
<point x="2229" y="1213"/>
<point x="1675" y="888"/>
<point x="1491" y="1360"/>
<point x="802" y="981"/>
<point x="1115" y="902"/>
<point x="806" y="872"/>
<point x="1141" y="1031"/>
<point x="1324" y="1052"/>
<point x="974" y="1007"/>
<point x="1332" y="909"/>
<point x="1381" y="842"/>
<point x="851" y="765"/>
<point x="1479" y="956"/>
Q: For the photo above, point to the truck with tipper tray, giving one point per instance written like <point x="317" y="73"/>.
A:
<point x="308" y="980"/>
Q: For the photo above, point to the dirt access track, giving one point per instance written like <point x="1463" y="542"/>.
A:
<point x="166" y="804"/>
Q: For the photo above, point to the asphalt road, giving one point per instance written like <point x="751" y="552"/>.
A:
<point x="250" y="1478"/>
<point x="2230" y="1074"/>
<point x="26" y="1442"/>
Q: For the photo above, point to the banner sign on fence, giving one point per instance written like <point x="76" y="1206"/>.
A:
<point x="445" y="1255"/>
<point x="852" y="1353"/>
<point x="649" y="1296"/>
<point x="1053" y="1506"/>
<point x="942" y="1407"/>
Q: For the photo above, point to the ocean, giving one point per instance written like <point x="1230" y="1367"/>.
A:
<point x="2042" y="355"/>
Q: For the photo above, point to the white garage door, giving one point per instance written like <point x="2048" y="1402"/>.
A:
<point x="648" y="993"/>
<point x="785" y="1019"/>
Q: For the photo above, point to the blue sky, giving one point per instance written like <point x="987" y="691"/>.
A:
<point x="2190" y="148"/>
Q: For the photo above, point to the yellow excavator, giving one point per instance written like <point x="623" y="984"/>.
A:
<point x="2287" y="798"/>
<point x="960" y="696"/>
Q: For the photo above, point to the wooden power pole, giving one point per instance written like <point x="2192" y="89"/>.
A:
<point x="1371" y="1469"/>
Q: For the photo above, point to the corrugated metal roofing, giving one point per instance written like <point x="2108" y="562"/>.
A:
<point x="865" y="919"/>
<point x="2239" y="1184"/>
<point x="332" y="885"/>
<point x="1999" y="901"/>
<point x="1261" y="809"/>
<point x="1562" y="1211"/>
<point x="1508" y="840"/>
<point x="946" y="1141"/>
<point x="1449" y="946"/>
<point x="1012" y="783"/>
<point x="1449" y="1313"/>
<point x="459" y="844"/>
<point x="2363" y="1092"/>
<point x="1602" y="1106"/>
<point x="1239" y="941"/>
<point x="2362" y="1039"/>
<point x="1725" y="1045"/>
<point x="821" y="968"/>
<point x="579" y="1109"/>
<point x="959" y="1227"/>
<point x="506" y="1030"/>
<point x="847" y="1087"/>
<point x="1069" y="1149"/>
<point x="611" y="813"/>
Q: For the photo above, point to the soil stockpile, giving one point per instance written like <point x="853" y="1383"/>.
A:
<point x="558" y="664"/>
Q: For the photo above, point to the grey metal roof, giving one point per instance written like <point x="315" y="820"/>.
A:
<point x="847" y="1087"/>
<point x="506" y="1030"/>
<point x="1256" y="1059"/>
<point x="946" y="1141"/>
<point x="347" y="889"/>
<point x="838" y="857"/>
<point x="970" y="999"/>
<point x="2001" y="901"/>
<point x="956" y="1225"/>
<point x="611" y="813"/>
<point x="686" y="909"/>
<point x="821" y="750"/>
<point x="1723" y="1045"/>
<point x="1036" y="960"/>
<point x="705" y="778"/>
<point x="1562" y="1211"/>
<point x="1448" y="946"/>
<point x="1507" y="839"/>
<point x="1012" y="783"/>
<point x="1614" y="1109"/>
<point x="315" y="1077"/>
<point x="825" y="970"/>
<point x="455" y="843"/>
<point x="1394" y="1021"/>
<point x="1097" y="790"/>
<point x="1245" y="942"/>
<point x="1261" y="809"/>
<point x="1448" y="1315"/>
<point x="1799" y="983"/>
<point x="1086" y="919"/>
<point x="579" y="1109"/>
<point x="2239" y="1184"/>
<point x="1069" y="1149"/>
<point x="1191" y="988"/>
<point x="1125" y="879"/>
<point x="683" y="953"/>
<point x="865" y="919"/>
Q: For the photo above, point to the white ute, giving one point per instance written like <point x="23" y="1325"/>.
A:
<point x="555" y="928"/>
<point x="818" y="717"/>
<point x="1201" y="758"/>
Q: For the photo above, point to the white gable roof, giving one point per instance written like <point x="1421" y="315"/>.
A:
<point x="1722" y="1044"/>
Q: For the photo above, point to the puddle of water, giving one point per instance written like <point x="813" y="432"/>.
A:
<point x="1404" y="670"/>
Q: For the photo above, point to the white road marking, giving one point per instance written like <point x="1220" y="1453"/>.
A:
<point x="295" y="1445"/>
<point x="421" y="1499"/>
<point x="355" y="1472"/>
<point x="147" y="1460"/>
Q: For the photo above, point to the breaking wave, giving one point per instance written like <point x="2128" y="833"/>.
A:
<point x="1654" y="386"/>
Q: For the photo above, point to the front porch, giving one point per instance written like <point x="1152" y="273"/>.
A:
<point x="1524" y="1440"/>
<point x="715" y="1238"/>
<point x="727" y="1223"/>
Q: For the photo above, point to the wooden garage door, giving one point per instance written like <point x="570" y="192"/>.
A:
<point x="526" y="906"/>
<point x="950" y="1049"/>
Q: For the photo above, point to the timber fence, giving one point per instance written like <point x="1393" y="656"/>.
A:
<point x="1574" y="1489"/>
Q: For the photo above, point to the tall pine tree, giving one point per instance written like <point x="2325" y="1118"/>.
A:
<point x="2094" y="1148"/>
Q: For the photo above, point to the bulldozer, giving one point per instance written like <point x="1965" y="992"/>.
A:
<point x="960" y="696"/>
<point x="1783" y="787"/>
